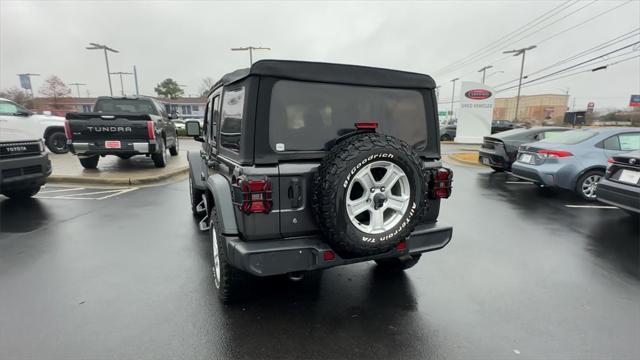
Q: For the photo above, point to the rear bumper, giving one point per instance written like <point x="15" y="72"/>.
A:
<point x="128" y="147"/>
<point x="621" y="195"/>
<point x="495" y="159"/>
<point x="273" y="257"/>
<point x="25" y="171"/>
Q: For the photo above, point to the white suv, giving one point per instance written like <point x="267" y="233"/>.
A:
<point x="19" y="122"/>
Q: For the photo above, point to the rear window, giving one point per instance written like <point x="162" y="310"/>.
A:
<point x="571" y="137"/>
<point x="307" y="116"/>
<point x="136" y="106"/>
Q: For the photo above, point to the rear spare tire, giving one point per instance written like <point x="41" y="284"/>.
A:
<point x="368" y="194"/>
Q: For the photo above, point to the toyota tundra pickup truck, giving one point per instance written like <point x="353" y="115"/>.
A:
<point x="24" y="163"/>
<point x="124" y="127"/>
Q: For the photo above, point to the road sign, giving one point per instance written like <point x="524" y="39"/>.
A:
<point x="634" y="101"/>
<point x="442" y="113"/>
<point x="590" y="106"/>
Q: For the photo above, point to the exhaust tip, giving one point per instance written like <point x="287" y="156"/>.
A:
<point x="296" y="276"/>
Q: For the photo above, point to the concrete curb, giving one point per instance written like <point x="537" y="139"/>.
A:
<point x="456" y="158"/>
<point x="126" y="181"/>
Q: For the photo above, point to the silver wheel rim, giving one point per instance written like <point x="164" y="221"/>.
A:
<point x="378" y="197"/>
<point x="216" y="257"/>
<point x="589" y="186"/>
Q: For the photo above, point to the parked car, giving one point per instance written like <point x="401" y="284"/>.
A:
<point x="574" y="160"/>
<point x="499" y="151"/>
<point x="621" y="184"/>
<point x="448" y="132"/>
<point x="24" y="162"/>
<point x="27" y="124"/>
<point x="122" y="126"/>
<point x="318" y="188"/>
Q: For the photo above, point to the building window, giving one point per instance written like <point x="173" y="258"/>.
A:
<point x="195" y="108"/>
<point x="167" y="107"/>
<point x="186" y="109"/>
<point x="86" y="108"/>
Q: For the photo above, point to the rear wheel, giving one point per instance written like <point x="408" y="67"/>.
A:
<point x="160" y="158"/>
<point x="398" y="264"/>
<point x="231" y="283"/>
<point x="57" y="143"/>
<point x="175" y="148"/>
<point x="587" y="184"/>
<point x="445" y="137"/>
<point x="90" y="162"/>
<point x="21" y="193"/>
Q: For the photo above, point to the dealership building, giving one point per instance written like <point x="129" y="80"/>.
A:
<point x="533" y="108"/>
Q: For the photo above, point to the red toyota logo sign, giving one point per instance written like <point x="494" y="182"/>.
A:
<point x="478" y="94"/>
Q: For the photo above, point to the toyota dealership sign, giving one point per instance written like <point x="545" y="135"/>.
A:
<point x="476" y="112"/>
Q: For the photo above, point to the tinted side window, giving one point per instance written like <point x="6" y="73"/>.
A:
<point x="611" y="143"/>
<point x="232" y="114"/>
<point x="629" y="142"/>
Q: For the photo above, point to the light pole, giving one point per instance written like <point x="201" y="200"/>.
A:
<point x="121" y="84"/>
<point x="453" y="93"/>
<point x="28" y="77"/>
<point x="484" y="71"/>
<point x="77" y="85"/>
<point x="250" y="49"/>
<point x="518" y="52"/>
<point x="95" y="46"/>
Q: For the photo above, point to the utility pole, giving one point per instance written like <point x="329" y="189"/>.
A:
<point x="77" y="85"/>
<point x="28" y="76"/>
<point x="453" y="93"/>
<point x="95" y="46"/>
<point x="484" y="71"/>
<point x="250" y="49"/>
<point x="518" y="52"/>
<point x="135" y="77"/>
<point x="121" y="83"/>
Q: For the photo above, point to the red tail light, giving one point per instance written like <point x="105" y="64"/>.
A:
<point x="366" y="125"/>
<point x="554" y="153"/>
<point x="67" y="130"/>
<point x="611" y="161"/>
<point x="328" y="255"/>
<point x="441" y="183"/>
<point x="401" y="246"/>
<point x="151" y="130"/>
<point x="255" y="195"/>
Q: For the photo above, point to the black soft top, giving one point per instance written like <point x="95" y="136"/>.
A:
<point x="331" y="73"/>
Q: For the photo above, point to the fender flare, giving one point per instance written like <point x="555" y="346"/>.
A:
<point x="220" y="189"/>
<point x="51" y="129"/>
<point x="196" y="170"/>
<point x="594" y="167"/>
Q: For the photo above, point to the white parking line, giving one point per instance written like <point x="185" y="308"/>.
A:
<point x="119" y="193"/>
<point x="52" y="191"/>
<point x="519" y="182"/>
<point x="92" y="193"/>
<point x="591" y="206"/>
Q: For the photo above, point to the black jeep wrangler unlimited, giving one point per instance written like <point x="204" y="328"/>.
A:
<point x="310" y="165"/>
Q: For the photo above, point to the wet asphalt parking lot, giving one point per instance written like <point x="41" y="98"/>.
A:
<point x="128" y="276"/>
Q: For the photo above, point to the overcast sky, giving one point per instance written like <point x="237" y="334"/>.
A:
<point x="190" y="40"/>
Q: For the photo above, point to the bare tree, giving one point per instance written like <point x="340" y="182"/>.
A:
<point x="54" y="88"/>
<point x="18" y="96"/>
<point x="206" y="85"/>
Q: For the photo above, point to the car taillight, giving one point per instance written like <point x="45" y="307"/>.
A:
<point x="366" y="125"/>
<point x="554" y="153"/>
<point x="255" y="195"/>
<point x="441" y="183"/>
<point x="67" y="130"/>
<point x="151" y="131"/>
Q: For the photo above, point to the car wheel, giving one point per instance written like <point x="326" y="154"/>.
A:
<point x="368" y="194"/>
<point x="232" y="284"/>
<point x="57" y="143"/>
<point x="587" y="184"/>
<point x="21" y="193"/>
<point x="90" y="162"/>
<point x="445" y="137"/>
<point x="160" y="158"/>
<point x="195" y="195"/>
<point x="175" y="148"/>
<point x="398" y="264"/>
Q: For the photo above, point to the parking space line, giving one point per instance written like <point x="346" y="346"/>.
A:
<point x="119" y="193"/>
<point x="519" y="182"/>
<point x="92" y="193"/>
<point x="591" y="206"/>
<point x="61" y="190"/>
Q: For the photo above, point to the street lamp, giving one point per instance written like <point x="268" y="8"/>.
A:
<point x="95" y="46"/>
<point x="77" y="85"/>
<point x="453" y="93"/>
<point x="518" y="52"/>
<point x="250" y="49"/>
<point x="484" y="71"/>
<point x="121" y="84"/>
